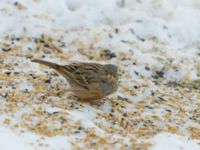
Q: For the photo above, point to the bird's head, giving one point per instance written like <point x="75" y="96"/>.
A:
<point x="110" y="71"/>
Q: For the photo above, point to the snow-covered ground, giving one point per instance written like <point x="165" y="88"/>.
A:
<point x="155" y="44"/>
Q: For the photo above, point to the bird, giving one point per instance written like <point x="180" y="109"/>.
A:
<point x="87" y="80"/>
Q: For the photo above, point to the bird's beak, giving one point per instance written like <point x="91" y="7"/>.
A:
<point x="110" y="78"/>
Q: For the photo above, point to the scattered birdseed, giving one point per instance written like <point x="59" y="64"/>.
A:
<point x="152" y="97"/>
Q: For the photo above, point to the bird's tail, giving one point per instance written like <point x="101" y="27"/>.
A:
<point x="47" y="63"/>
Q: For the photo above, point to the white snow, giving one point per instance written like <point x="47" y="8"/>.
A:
<point x="166" y="141"/>
<point x="9" y="140"/>
<point x="173" y="23"/>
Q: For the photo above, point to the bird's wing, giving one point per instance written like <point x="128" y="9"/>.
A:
<point x="83" y="74"/>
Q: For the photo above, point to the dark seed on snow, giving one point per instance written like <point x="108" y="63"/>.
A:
<point x="6" y="49"/>
<point x="108" y="54"/>
<point x="17" y="39"/>
<point x="147" y="68"/>
<point x="139" y="38"/>
<point x="8" y="72"/>
<point x="160" y="73"/>
<point x="149" y="107"/>
<point x="136" y="73"/>
<point x="76" y="132"/>
<point x="46" y="45"/>
<point x="116" y="30"/>
<point x="80" y="128"/>
<point x="15" y="3"/>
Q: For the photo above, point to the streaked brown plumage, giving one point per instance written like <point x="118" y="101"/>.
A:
<point x="89" y="81"/>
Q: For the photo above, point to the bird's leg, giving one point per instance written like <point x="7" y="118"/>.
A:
<point x="73" y="96"/>
<point x="63" y="91"/>
<point x="98" y="102"/>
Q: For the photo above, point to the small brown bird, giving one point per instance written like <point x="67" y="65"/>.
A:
<point x="89" y="81"/>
